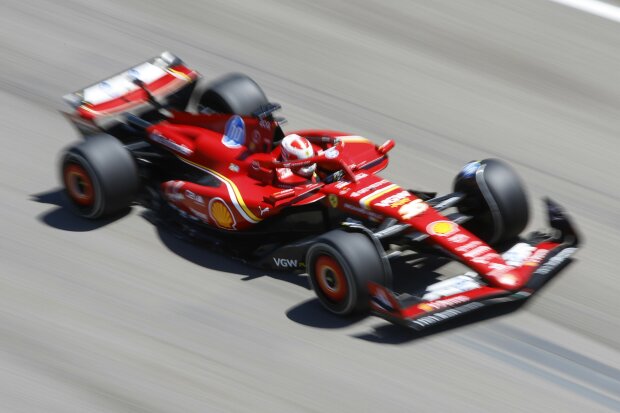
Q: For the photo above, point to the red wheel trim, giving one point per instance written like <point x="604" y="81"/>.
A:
<point x="330" y="278"/>
<point x="79" y="185"/>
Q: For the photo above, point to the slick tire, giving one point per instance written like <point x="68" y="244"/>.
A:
<point x="340" y="264"/>
<point x="235" y="93"/>
<point x="495" y="198"/>
<point x="100" y="176"/>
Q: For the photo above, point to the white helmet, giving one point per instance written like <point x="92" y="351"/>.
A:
<point x="296" y="148"/>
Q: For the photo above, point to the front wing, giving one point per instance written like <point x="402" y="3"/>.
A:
<point x="466" y="293"/>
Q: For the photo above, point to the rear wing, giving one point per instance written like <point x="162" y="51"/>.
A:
<point x="165" y="76"/>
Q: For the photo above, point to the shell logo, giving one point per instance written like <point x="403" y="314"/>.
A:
<point x="221" y="214"/>
<point x="441" y="228"/>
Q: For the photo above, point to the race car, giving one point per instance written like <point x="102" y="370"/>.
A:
<point x="210" y="160"/>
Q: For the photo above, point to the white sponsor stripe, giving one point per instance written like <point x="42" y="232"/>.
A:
<point x="231" y="191"/>
<point x="365" y="201"/>
<point x="595" y="7"/>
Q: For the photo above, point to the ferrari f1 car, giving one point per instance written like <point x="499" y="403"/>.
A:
<point x="205" y="156"/>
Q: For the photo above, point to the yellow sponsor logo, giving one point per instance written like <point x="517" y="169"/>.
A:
<point x="441" y="228"/>
<point x="221" y="214"/>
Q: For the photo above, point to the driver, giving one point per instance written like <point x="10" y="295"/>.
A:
<point x="296" y="148"/>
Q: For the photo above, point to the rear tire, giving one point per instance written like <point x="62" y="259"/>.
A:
<point x="340" y="264"/>
<point x="495" y="198"/>
<point x="100" y="176"/>
<point x="234" y="93"/>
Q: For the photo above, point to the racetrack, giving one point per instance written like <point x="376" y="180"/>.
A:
<point x="123" y="317"/>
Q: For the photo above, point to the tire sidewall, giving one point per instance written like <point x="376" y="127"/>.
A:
<point x="112" y="170"/>
<point x="349" y="304"/>
<point x="98" y="206"/>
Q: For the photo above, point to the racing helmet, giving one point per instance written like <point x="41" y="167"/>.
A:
<point x="297" y="148"/>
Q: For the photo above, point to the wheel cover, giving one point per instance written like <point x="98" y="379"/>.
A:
<point x="330" y="278"/>
<point x="79" y="185"/>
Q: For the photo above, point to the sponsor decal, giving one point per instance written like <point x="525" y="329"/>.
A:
<point x="441" y="304"/>
<point x="517" y="254"/>
<point x="233" y="167"/>
<point x="468" y="246"/>
<point x="370" y="187"/>
<point x="182" y="149"/>
<point x="263" y="210"/>
<point x="478" y="251"/>
<point x="447" y="314"/>
<point x="412" y="209"/>
<point x="194" y="197"/>
<point x="172" y="190"/>
<point x="331" y="153"/>
<point x="442" y="228"/>
<point x="342" y="184"/>
<point x="553" y="262"/>
<point x="536" y="258"/>
<point x="451" y="286"/>
<point x="393" y="199"/>
<point x="221" y="214"/>
<point x="333" y="200"/>
<point x="234" y="132"/>
<point x="470" y="169"/>
<point x="199" y="215"/>
<point x="365" y="201"/>
<point x="458" y="239"/>
<point x="233" y="191"/>
<point x="362" y="211"/>
<point x="285" y="262"/>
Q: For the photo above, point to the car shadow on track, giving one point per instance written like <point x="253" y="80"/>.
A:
<point x="387" y="333"/>
<point x="310" y="313"/>
<point x="201" y="254"/>
<point x="394" y="334"/>
<point x="63" y="218"/>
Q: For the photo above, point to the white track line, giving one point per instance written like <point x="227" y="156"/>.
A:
<point x="598" y="8"/>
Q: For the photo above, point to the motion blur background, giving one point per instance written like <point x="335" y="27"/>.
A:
<point x="123" y="317"/>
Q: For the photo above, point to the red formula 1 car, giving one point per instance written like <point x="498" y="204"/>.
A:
<point x="206" y="157"/>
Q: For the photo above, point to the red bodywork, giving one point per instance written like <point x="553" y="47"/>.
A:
<point x="250" y="191"/>
<point x="239" y="155"/>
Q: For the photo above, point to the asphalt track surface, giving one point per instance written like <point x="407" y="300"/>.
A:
<point x="123" y="317"/>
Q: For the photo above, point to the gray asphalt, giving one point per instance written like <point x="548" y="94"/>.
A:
<point x="122" y="317"/>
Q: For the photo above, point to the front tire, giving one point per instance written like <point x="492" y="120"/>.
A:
<point x="495" y="198"/>
<point x="340" y="264"/>
<point x="100" y="176"/>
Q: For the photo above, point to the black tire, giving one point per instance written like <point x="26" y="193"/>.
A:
<point x="340" y="264"/>
<point x="100" y="176"/>
<point x="496" y="199"/>
<point x="234" y="93"/>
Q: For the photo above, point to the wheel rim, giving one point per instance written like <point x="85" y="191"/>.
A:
<point x="79" y="185"/>
<point x="330" y="278"/>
